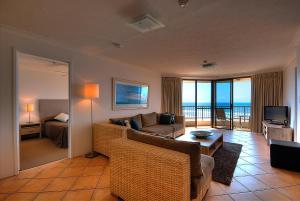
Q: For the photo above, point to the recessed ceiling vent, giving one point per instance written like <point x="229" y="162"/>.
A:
<point x="146" y="23"/>
<point x="206" y="64"/>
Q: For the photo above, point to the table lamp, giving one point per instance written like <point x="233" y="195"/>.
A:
<point x="29" y="109"/>
<point x="91" y="91"/>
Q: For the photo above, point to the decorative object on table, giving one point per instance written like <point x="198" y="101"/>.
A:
<point x="130" y="94"/>
<point x="29" y="109"/>
<point x="91" y="91"/>
<point x="201" y="133"/>
<point x="225" y="162"/>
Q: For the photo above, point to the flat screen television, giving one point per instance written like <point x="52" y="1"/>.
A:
<point x="276" y="114"/>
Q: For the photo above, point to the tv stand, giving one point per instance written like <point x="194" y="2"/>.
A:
<point x="277" y="132"/>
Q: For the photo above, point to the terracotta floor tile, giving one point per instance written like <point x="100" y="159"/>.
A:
<point x="251" y="169"/>
<point x="63" y="163"/>
<point x="255" y="159"/>
<point x="103" y="195"/>
<point x="80" y="195"/>
<point x="61" y="184"/>
<point x="54" y="172"/>
<point x="72" y="172"/>
<point x="266" y="167"/>
<point x="238" y="172"/>
<point x="272" y="180"/>
<point x="242" y="162"/>
<point x="104" y="181"/>
<point x="98" y="161"/>
<point x="3" y="196"/>
<point x="35" y="185"/>
<point x="12" y="185"/>
<point x="292" y="192"/>
<point x="252" y="183"/>
<point x="219" y="198"/>
<point x="30" y="173"/>
<point x="245" y="197"/>
<point x="79" y="162"/>
<point x="87" y="182"/>
<point x="93" y="171"/>
<point x="21" y="197"/>
<point x="271" y="195"/>
<point x="235" y="187"/>
<point x="50" y="196"/>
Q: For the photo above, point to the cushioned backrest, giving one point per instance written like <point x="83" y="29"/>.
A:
<point x="149" y="119"/>
<point x="190" y="148"/>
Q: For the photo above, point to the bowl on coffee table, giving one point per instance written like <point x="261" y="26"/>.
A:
<point x="201" y="133"/>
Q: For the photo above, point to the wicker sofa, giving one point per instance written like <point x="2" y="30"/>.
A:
<point x="104" y="133"/>
<point x="141" y="171"/>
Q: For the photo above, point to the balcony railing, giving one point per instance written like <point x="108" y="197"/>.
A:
<point x="241" y="115"/>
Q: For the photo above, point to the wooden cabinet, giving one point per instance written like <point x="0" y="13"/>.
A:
<point x="277" y="132"/>
<point x="30" y="128"/>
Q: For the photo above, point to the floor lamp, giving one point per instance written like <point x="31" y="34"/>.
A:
<point x="91" y="91"/>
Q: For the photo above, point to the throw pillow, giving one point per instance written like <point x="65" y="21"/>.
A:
<point x="149" y="119"/>
<point x="165" y="118"/>
<point x="62" y="117"/>
<point x="118" y="122"/>
<point x="172" y="118"/>
<point x="134" y="124"/>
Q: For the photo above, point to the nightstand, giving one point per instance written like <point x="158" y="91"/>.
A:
<point x="30" y="128"/>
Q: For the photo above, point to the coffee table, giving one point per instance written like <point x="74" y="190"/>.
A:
<point x="209" y="145"/>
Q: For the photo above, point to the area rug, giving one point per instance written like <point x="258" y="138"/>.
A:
<point x="225" y="162"/>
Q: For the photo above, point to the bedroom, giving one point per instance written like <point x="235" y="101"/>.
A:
<point x="43" y="92"/>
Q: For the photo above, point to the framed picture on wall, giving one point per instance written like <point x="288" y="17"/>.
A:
<point x="130" y="94"/>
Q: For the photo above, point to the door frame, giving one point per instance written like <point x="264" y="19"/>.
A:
<point x="16" y="136"/>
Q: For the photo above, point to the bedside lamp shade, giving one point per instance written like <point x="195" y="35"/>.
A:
<point x="91" y="90"/>
<point x="29" y="107"/>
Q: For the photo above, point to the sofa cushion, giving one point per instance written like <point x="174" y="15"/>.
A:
<point x="163" y="129"/>
<point x="207" y="165"/>
<point x="165" y="119"/>
<point x="190" y="148"/>
<point x="149" y="119"/>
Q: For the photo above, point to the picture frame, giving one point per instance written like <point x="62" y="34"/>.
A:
<point x="129" y="95"/>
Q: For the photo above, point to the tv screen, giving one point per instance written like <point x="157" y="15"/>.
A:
<point x="276" y="113"/>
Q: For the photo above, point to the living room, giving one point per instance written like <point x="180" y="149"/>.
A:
<point x="199" y="41"/>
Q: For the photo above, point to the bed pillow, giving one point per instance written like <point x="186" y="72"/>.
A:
<point x="62" y="117"/>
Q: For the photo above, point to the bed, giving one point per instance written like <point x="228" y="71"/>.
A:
<point x="55" y="130"/>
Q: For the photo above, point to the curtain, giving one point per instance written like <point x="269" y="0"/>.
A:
<point x="172" y="95"/>
<point x="267" y="90"/>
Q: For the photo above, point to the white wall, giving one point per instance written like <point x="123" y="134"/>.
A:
<point x="83" y="69"/>
<point x="35" y="85"/>
<point x="291" y="87"/>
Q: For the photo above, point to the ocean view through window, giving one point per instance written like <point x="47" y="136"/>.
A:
<point x="198" y="102"/>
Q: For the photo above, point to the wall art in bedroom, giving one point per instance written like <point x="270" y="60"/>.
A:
<point x="130" y="94"/>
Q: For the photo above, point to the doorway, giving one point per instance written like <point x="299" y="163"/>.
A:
<point x="42" y="110"/>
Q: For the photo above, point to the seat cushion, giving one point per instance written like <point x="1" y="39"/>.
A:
<point x="202" y="183"/>
<point x="190" y="148"/>
<point x="149" y="119"/>
<point x="162" y="129"/>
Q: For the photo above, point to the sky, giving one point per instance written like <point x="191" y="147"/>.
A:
<point x="241" y="88"/>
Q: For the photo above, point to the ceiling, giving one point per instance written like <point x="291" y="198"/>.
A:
<point x="240" y="36"/>
<point x="40" y="64"/>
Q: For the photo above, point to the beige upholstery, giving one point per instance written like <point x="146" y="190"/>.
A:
<point x="145" y="172"/>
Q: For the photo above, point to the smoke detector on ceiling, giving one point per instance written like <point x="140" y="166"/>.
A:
<point x="146" y="23"/>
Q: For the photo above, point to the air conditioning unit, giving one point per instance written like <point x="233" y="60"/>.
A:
<point x="146" y="23"/>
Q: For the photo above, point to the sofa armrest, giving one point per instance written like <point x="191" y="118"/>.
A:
<point x="180" y="120"/>
<point x="145" y="172"/>
<point x="104" y="133"/>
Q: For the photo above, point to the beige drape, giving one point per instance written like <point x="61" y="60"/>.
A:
<point x="172" y="95"/>
<point x="267" y="90"/>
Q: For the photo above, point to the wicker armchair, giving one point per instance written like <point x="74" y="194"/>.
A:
<point x="145" y="172"/>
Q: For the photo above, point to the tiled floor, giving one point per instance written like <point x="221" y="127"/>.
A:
<point x="82" y="179"/>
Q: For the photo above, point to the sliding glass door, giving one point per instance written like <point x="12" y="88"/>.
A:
<point x="223" y="113"/>
<point x="196" y="102"/>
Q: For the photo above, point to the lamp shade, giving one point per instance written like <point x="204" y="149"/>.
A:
<point x="29" y="107"/>
<point x="91" y="90"/>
